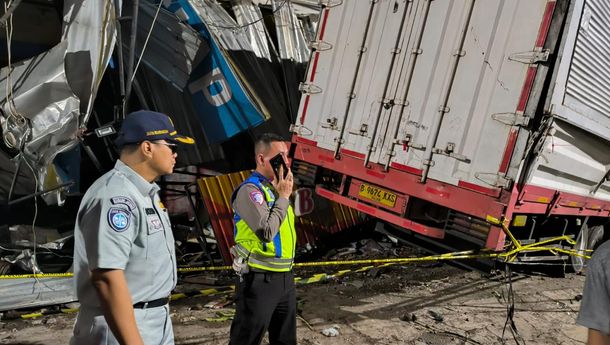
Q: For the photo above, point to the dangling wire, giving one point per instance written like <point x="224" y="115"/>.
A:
<point x="11" y="109"/>
<point x="510" y="308"/>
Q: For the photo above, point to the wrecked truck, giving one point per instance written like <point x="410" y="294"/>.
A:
<point x="436" y="116"/>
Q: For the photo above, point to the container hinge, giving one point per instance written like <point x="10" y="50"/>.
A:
<point x="331" y="123"/>
<point x="407" y="143"/>
<point x="330" y="3"/>
<point x="494" y="179"/>
<point x="512" y="119"/>
<point x="320" y="45"/>
<point x="362" y="131"/>
<point x="449" y="151"/>
<point x="531" y="57"/>
<point x="309" y="88"/>
<point x="300" y="130"/>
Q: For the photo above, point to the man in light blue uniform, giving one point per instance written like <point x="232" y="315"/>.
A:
<point x="124" y="255"/>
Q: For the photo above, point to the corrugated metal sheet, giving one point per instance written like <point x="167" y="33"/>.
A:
<point x="589" y="80"/>
<point x="250" y="17"/>
<point x="328" y="217"/>
<point x="28" y="293"/>
<point x="172" y="47"/>
<point x="291" y="41"/>
<point x="581" y="93"/>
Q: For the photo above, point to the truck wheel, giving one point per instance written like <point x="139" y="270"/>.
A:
<point x="589" y="238"/>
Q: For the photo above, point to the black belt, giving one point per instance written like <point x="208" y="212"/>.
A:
<point x="152" y="304"/>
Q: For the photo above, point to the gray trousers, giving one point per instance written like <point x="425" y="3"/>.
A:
<point x="154" y="324"/>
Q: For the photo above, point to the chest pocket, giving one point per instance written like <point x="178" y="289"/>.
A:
<point x="153" y="221"/>
<point x="155" y="239"/>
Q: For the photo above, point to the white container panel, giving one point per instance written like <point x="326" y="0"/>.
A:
<point x="572" y="160"/>
<point x="344" y="30"/>
<point x="487" y="82"/>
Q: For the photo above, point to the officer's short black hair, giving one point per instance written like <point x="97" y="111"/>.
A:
<point x="129" y="148"/>
<point x="263" y="142"/>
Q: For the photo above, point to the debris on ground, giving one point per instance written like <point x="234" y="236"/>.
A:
<point x="330" y="331"/>
<point x="436" y="316"/>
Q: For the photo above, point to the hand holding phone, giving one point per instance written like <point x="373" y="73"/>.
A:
<point x="276" y="162"/>
<point x="283" y="176"/>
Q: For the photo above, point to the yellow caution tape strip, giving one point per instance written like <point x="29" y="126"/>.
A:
<point x="48" y="312"/>
<point x="205" y="292"/>
<point x="37" y="276"/>
<point x="510" y="255"/>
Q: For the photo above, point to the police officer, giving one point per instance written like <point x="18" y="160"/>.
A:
<point x="264" y="252"/>
<point x="124" y="255"/>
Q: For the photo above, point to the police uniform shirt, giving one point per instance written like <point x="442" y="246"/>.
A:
<point x="251" y="206"/>
<point x="122" y="224"/>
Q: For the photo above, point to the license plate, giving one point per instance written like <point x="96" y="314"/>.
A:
<point x="376" y="194"/>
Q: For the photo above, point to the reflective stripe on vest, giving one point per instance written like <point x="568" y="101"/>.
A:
<point x="276" y="255"/>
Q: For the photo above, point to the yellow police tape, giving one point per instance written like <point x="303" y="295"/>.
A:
<point x="221" y="315"/>
<point x="509" y="255"/>
<point x="49" y="312"/>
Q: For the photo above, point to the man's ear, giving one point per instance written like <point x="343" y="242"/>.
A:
<point x="146" y="148"/>
<point x="260" y="160"/>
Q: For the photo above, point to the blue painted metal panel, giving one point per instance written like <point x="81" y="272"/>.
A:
<point x="219" y="98"/>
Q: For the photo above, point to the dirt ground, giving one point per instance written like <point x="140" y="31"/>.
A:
<point x="426" y="304"/>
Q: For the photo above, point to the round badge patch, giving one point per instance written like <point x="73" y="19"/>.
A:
<point x="118" y="219"/>
<point x="257" y="197"/>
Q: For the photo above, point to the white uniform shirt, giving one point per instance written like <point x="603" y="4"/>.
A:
<point x="122" y="224"/>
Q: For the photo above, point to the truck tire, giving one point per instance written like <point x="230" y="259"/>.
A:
<point x="589" y="238"/>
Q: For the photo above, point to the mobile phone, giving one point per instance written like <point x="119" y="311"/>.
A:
<point x="276" y="162"/>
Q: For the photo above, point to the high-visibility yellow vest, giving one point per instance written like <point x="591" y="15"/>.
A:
<point x="277" y="255"/>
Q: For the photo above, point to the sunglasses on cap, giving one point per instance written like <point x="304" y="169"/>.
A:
<point x="171" y="146"/>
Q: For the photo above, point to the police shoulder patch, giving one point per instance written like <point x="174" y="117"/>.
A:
<point x="118" y="219"/>
<point x="123" y="200"/>
<point x="257" y="197"/>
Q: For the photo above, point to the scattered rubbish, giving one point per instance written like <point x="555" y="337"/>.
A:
<point x="408" y="317"/>
<point x="370" y="246"/>
<point x="306" y="323"/>
<point x="221" y="315"/>
<point x="316" y="321"/>
<point x="578" y="297"/>
<point x="330" y="332"/>
<point x="197" y="306"/>
<point x="72" y="305"/>
<point x="218" y="304"/>
<point x="374" y="273"/>
<point x="187" y="319"/>
<point x="339" y="253"/>
<point x="356" y="283"/>
<point x="436" y="316"/>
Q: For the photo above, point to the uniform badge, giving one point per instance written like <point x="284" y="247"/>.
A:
<point x="257" y="197"/>
<point x="118" y="219"/>
<point x="123" y="200"/>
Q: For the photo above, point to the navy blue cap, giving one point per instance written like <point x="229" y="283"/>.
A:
<point x="148" y="125"/>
